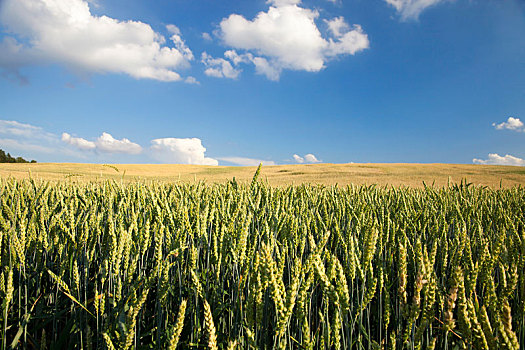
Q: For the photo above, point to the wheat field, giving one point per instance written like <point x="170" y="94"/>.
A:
<point x="412" y="175"/>
<point x="234" y="265"/>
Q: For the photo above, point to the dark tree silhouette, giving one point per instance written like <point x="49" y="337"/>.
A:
<point x="7" y="158"/>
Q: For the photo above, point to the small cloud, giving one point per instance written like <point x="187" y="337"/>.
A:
<point x="31" y="141"/>
<point x="78" y="142"/>
<point x="310" y="158"/>
<point x="307" y="158"/>
<point x="298" y="159"/>
<point x="511" y="124"/>
<point x="246" y="161"/>
<point x="411" y="9"/>
<point x="496" y="159"/>
<point x="26" y="147"/>
<point x="206" y="36"/>
<point x="337" y="26"/>
<point x="28" y="131"/>
<point x="180" y="151"/>
<point x="173" y="29"/>
<point x="219" y="67"/>
<point x="107" y="143"/>
<point x="233" y="59"/>
<point x="192" y="80"/>
<point x="233" y="56"/>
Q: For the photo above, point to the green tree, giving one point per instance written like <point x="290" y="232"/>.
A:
<point x="7" y="158"/>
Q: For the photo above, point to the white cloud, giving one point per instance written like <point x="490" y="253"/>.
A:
<point x="31" y="142"/>
<point x="298" y="158"/>
<point x="233" y="56"/>
<point x="310" y="158"/>
<point x="412" y="8"/>
<point x="106" y="143"/>
<point x="219" y="67"/>
<point x="287" y="34"/>
<point x="349" y="41"/>
<point x="227" y="67"/>
<point x="180" y="151"/>
<point x="307" y="158"/>
<point x="173" y="29"/>
<point x="246" y="161"/>
<point x="206" y="36"/>
<point x="495" y="159"/>
<point x="287" y="37"/>
<point x="65" y="32"/>
<point x="78" y="142"/>
<point x="337" y="26"/>
<point x="22" y="146"/>
<point x="192" y="80"/>
<point x="511" y="124"/>
<point x="263" y="67"/>
<point x="26" y="131"/>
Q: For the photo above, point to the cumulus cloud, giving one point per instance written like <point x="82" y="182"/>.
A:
<point x="180" y="151"/>
<point x="28" y="141"/>
<point x="219" y="67"/>
<point x="78" y="142"/>
<point x="496" y="159"/>
<point x="287" y="37"/>
<point x="242" y="161"/>
<point x="298" y="158"/>
<point x="105" y="143"/>
<point x="65" y="32"/>
<point x="227" y="67"/>
<point x="411" y="9"/>
<point x="511" y="124"/>
<point x="307" y="158"/>
<point x="347" y="41"/>
<point x="233" y="56"/>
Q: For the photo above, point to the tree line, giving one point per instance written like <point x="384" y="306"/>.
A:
<point x="7" y="158"/>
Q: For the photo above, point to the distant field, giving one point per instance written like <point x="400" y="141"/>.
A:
<point x="326" y="174"/>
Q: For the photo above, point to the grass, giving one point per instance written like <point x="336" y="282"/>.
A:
<point x="411" y="175"/>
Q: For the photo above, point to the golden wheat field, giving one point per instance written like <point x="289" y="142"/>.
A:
<point x="412" y="175"/>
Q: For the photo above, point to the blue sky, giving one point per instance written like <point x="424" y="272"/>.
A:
<point x="280" y="81"/>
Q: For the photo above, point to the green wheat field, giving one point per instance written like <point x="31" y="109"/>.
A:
<point x="113" y="264"/>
